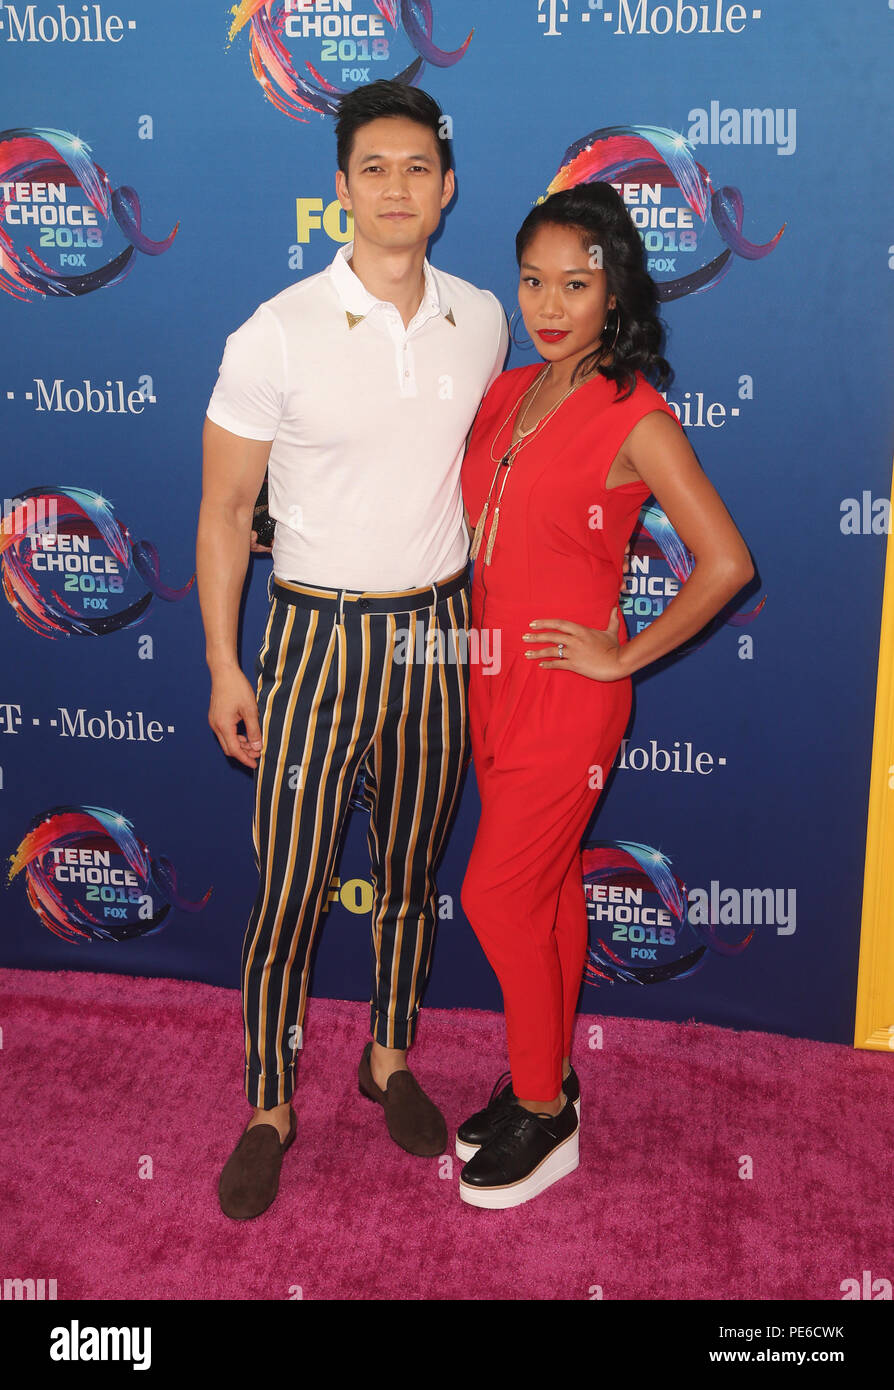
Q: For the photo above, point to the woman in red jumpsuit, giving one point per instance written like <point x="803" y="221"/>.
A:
<point x="560" y="460"/>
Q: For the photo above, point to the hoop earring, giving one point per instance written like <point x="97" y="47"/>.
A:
<point x="521" y="346"/>
<point x="617" y="328"/>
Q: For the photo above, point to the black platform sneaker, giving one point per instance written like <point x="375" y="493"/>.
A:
<point x="483" y="1125"/>
<point x="527" y="1154"/>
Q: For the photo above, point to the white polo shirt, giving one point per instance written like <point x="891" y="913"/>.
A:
<point x="368" y="421"/>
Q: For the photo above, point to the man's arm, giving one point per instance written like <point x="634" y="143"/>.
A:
<point x="502" y="343"/>
<point x="232" y="472"/>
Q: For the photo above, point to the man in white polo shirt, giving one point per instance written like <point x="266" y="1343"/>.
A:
<point x="354" y="389"/>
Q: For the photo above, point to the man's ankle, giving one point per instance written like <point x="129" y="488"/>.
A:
<point x="385" y="1061"/>
<point x="279" y="1116"/>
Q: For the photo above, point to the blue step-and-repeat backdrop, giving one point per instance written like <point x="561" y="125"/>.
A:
<point x="164" y="167"/>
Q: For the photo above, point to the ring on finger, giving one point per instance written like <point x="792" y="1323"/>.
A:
<point x="561" y="651"/>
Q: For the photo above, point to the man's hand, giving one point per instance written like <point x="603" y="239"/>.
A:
<point x="233" y="700"/>
<point x="259" y="549"/>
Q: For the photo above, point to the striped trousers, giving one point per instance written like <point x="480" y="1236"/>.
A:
<point x="339" y="688"/>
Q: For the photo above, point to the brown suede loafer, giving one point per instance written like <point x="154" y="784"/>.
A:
<point x="250" y="1178"/>
<point x="414" y="1122"/>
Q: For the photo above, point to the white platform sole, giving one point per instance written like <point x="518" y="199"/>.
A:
<point x="465" y="1151"/>
<point x="562" y="1161"/>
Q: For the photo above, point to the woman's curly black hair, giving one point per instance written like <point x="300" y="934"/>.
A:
<point x="598" y="212"/>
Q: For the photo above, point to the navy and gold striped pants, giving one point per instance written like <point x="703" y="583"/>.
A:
<point x="340" y="687"/>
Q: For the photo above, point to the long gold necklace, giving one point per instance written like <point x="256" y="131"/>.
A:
<point x="507" y="461"/>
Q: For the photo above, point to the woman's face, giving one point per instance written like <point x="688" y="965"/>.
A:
<point x="563" y="293"/>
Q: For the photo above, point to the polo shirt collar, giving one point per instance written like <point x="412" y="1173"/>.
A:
<point x="357" y="299"/>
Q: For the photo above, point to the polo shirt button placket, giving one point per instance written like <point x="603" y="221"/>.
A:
<point x="407" y="387"/>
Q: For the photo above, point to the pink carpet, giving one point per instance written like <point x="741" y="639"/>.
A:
<point x="100" y="1071"/>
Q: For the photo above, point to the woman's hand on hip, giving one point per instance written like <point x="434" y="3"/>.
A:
<point x="588" y="651"/>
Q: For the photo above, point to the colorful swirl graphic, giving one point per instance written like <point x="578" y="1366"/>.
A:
<point x="625" y="864"/>
<point x="78" y="512"/>
<point x="290" y="93"/>
<point x="654" y="154"/>
<point x="95" y="828"/>
<point x="654" y="536"/>
<point x="55" y="156"/>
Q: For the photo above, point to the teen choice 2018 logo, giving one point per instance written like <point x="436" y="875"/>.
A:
<point x="672" y="201"/>
<point x="56" y="211"/>
<point x="80" y="572"/>
<point x="89" y="877"/>
<point x="657" y="563"/>
<point x="342" y="43"/>
<point x="639" y="916"/>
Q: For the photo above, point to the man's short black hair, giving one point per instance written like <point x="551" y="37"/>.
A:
<point x="378" y="99"/>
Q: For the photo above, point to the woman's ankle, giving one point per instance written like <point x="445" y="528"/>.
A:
<point x="544" y="1107"/>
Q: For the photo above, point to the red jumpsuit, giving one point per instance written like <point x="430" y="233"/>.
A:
<point x="543" y="741"/>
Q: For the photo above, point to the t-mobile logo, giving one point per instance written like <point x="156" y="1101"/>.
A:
<point x="552" y="13"/>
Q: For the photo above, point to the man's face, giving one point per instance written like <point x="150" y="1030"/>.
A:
<point x="394" y="185"/>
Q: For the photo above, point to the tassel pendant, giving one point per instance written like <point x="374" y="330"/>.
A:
<point x="493" y="536"/>
<point x="505" y="462"/>
<point x="479" y="532"/>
